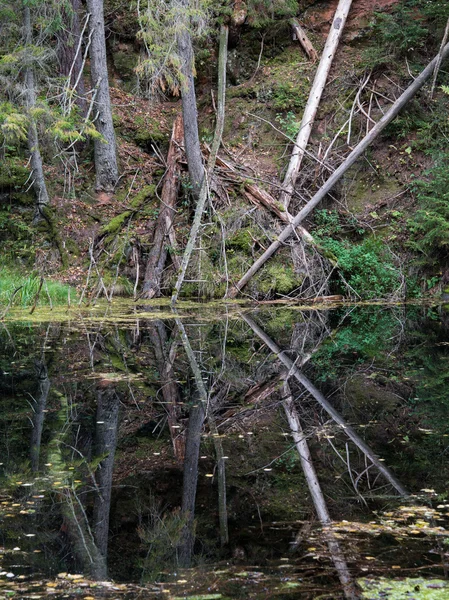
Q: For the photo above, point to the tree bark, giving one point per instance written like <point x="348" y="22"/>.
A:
<point x="189" y="108"/>
<point x="204" y="192"/>
<point x="317" y="495"/>
<point x="308" y="118"/>
<point x="158" y="253"/>
<point x="338" y="173"/>
<point x="106" y="168"/>
<point x="37" y="170"/>
<point x="70" y="54"/>
<point x="334" y="414"/>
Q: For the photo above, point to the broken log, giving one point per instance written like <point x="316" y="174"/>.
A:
<point x="164" y="226"/>
<point x="391" y="114"/>
<point x="308" y="118"/>
<point x="300" y="35"/>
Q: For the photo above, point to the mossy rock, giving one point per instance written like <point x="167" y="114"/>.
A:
<point x="13" y="176"/>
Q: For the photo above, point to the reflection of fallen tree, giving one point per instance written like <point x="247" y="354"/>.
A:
<point x="334" y="414"/>
<point x="317" y="495"/>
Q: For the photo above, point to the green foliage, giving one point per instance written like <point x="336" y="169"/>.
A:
<point x="367" y="266"/>
<point x="286" y="95"/>
<point x="411" y="26"/>
<point x="289" y="124"/>
<point x="367" y="334"/>
<point x="161" y="23"/>
<point x="13" y="125"/>
<point x="263" y="12"/>
<point x="27" y="286"/>
<point x="429" y="225"/>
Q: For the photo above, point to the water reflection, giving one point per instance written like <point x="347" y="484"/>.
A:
<point x="300" y="442"/>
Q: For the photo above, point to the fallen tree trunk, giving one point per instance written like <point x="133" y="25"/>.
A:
<point x="301" y="36"/>
<point x="338" y="173"/>
<point x="332" y="412"/>
<point x="164" y="225"/>
<point x="308" y="118"/>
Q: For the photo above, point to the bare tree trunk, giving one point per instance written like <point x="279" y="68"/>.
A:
<point x="338" y="173"/>
<point x="70" y="55"/>
<point x="158" y="253"/>
<point x="104" y="150"/>
<point x="334" y="414"/>
<point x="105" y="443"/>
<point x="39" y="413"/>
<point x="317" y="495"/>
<point x="204" y="192"/>
<point x="189" y="109"/>
<point x="37" y="171"/>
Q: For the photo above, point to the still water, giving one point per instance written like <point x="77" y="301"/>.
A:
<point x="225" y="453"/>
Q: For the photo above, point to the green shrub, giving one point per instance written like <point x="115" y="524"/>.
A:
<point x="368" y="267"/>
<point x="429" y="225"/>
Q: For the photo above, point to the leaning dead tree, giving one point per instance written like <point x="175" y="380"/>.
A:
<point x="332" y="412"/>
<point x="308" y="118"/>
<point x="164" y="225"/>
<point x="391" y="114"/>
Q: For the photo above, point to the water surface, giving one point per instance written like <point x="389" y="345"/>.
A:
<point x="232" y="453"/>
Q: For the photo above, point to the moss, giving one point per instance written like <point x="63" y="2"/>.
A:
<point x="55" y="237"/>
<point x="242" y="240"/>
<point x="125" y="62"/>
<point x="276" y="278"/>
<point x="13" y="175"/>
<point x="117" y="222"/>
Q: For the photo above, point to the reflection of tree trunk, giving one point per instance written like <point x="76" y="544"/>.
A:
<point x="319" y="502"/>
<point x="203" y="396"/>
<point x="39" y="413"/>
<point x="189" y="483"/>
<point x="169" y="387"/>
<point x="335" y="415"/>
<point x="106" y="441"/>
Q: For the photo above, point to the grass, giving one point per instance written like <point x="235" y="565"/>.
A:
<point x="18" y="289"/>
